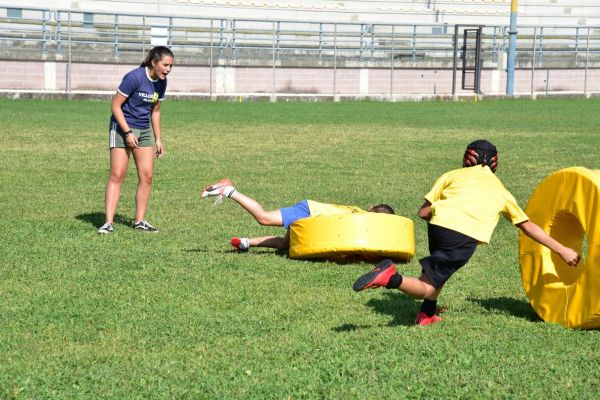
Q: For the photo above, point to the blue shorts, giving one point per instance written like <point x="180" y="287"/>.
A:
<point x="295" y="212"/>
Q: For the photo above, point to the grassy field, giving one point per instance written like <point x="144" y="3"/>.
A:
<point x="178" y="314"/>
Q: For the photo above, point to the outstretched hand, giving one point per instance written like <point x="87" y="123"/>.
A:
<point x="570" y="256"/>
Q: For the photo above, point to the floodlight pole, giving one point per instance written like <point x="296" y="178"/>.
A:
<point x="512" y="49"/>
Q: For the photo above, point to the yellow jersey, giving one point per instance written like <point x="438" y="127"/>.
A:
<point x="470" y="200"/>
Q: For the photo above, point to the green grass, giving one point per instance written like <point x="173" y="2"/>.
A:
<point x="180" y="315"/>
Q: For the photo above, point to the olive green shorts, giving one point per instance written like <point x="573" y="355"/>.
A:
<point x="116" y="136"/>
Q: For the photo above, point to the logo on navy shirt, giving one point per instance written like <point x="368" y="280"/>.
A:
<point x="149" y="98"/>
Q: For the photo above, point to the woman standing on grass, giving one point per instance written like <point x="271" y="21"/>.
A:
<point x="134" y="129"/>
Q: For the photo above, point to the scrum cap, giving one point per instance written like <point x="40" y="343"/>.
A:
<point x="481" y="152"/>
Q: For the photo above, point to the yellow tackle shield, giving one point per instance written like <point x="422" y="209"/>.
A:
<point x="368" y="236"/>
<point x="565" y="205"/>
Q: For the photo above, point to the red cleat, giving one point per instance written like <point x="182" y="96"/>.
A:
<point x="424" y="319"/>
<point x="377" y="277"/>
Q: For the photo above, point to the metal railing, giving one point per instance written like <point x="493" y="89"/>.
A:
<point x="46" y="34"/>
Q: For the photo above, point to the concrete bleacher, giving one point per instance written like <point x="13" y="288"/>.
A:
<point x="107" y="34"/>
<point x="480" y="12"/>
<point x="355" y="47"/>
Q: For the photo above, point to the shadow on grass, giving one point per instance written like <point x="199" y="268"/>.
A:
<point x="284" y="253"/>
<point x="281" y="253"/>
<point x="514" y="307"/>
<point x="350" y="328"/>
<point x="97" y="219"/>
<point x="399" y="306"/>
<point x="348" y="259"/>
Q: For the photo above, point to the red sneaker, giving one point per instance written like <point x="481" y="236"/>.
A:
<point x="424" y="319"/>
<point x="377" y="277"/>
<point x="240" y="243"/>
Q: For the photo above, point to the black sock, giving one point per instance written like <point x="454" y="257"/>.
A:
<point x="395" y="281"/>
<point x="429" y="307"/>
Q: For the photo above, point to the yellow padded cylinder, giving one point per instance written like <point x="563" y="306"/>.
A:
<point x="368" y="236"/>
<point x="566" y="206"/>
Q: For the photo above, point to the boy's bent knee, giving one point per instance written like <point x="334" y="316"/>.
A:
<point x="429" y="289"/>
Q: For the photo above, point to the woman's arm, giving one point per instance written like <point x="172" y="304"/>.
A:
<point x="155" y="120"/>
<point x="532" y="230"/>
<point x="117" y="102"/>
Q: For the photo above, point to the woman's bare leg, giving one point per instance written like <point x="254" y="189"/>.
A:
<point x="144" y="161"/>
<point x="119" y="160"/>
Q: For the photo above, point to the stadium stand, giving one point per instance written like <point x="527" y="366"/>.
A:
<point x="223" y="39"/>
<point x="480" y="12"/>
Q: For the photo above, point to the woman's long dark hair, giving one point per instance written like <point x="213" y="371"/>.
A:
<point x="156" y="54"/>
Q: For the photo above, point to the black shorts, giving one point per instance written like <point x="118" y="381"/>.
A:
<point x="449" y="251"/>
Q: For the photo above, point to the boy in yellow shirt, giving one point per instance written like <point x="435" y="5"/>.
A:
<point x="462" y="210"/>
<point x="281" y="217"/>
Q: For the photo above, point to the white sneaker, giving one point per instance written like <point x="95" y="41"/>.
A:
<point x="106" y="229"/>
<point x="222" y="188"/>
<point x="144" y="226"/>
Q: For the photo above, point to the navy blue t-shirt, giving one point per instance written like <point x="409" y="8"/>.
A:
<point x="141" y="92"/>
